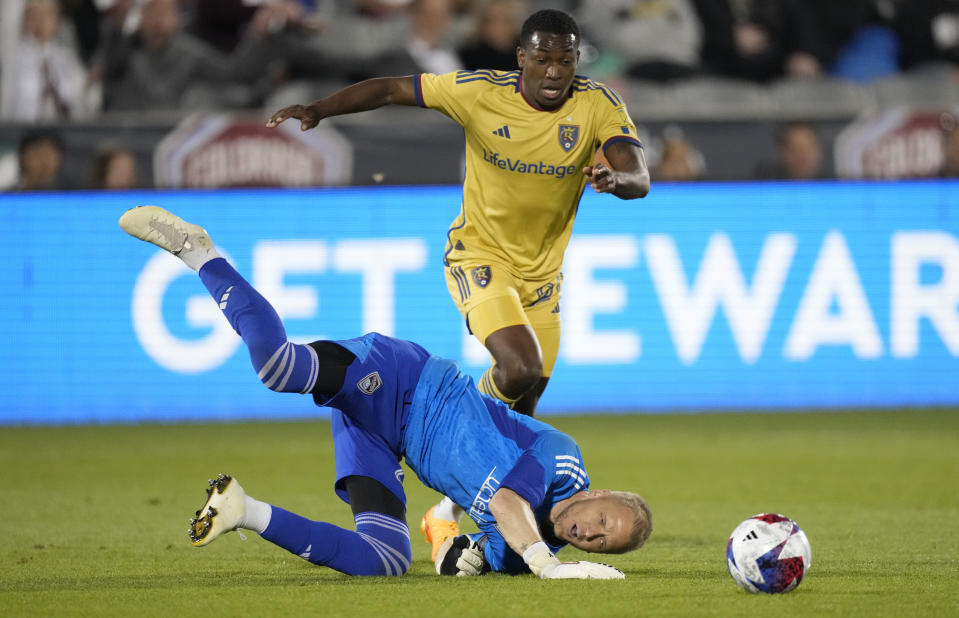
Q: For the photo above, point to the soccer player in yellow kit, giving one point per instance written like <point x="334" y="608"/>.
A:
<point x="531" y="139"/>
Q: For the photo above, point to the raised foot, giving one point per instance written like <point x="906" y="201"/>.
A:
<point x="222" y="512"/>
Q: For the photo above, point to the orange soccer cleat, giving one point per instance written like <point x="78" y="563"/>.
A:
<point x="436" y="530"/>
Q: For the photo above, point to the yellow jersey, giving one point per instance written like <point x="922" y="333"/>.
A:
<point x="524" y="165"/>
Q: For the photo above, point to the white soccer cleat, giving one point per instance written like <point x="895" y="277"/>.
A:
<point x="187" y="241"/>
<point x="224" y="510"/>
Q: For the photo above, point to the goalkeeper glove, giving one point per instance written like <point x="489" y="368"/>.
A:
<point x="464" y="558"/>
<point x="545" y="565"/>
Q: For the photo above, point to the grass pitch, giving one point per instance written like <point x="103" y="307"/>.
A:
<point x="94" y="520"/>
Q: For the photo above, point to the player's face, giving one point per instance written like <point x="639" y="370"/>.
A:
<point x="549" y="65"/>
<point x="597" y="523"/>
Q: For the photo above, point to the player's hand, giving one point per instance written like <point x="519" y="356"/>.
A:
<point x="601" y="178"/>
<point x="463" y="558"/>
<point x="581" y="570"/>
<point x="308" y="116"/>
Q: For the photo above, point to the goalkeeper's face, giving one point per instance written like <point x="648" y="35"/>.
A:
<point x="597" y="522"/>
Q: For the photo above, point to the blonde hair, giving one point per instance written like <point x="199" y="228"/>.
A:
<point x="642" y="519"/>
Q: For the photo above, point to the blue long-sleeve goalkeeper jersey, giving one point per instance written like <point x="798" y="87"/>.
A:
<point x="466" y="445"/>
<point x="457" y="440"/>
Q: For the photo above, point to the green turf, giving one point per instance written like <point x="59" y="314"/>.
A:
<point x="94" y="520"/>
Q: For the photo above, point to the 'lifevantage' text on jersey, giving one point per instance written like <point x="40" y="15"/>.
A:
<point x="522" y="167"/>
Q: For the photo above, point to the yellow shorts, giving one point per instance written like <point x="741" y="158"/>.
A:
<point x="490" y="297"/>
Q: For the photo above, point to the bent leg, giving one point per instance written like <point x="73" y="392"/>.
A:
<point x="489" y="297"/>
<point x="283" y="366"/>
<point x="379" y="546"/>
<point x="501" y="324"/>
<point x="544" y="318"/>
<point x="517" y="361"/>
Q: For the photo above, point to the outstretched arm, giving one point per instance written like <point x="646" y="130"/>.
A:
<point x="517" y="524"/>
<point x="363" y="96"/>
<point x="515" y="520"/>
<point x="626" y="176"/>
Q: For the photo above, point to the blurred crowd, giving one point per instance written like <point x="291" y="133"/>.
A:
<point x="74" y="60"/>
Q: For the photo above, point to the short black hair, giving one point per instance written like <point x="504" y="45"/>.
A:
<point x="38" y="136"/>
<point x="548" y="20"/>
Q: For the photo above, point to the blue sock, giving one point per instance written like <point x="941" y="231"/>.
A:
<point x="281" y="365"/>
<point x="379" y="546"/>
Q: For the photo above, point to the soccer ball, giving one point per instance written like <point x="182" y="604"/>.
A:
<point x="768" y="553"/>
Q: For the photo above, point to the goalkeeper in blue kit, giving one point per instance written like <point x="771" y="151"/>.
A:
<point x="520" y="480"/>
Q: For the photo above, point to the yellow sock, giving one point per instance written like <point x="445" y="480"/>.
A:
<point x="488" y="386"/>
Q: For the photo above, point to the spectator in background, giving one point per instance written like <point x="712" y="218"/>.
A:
<point x="679" y="160"/>
<point x="160" y="65"/>
<point x="276" y="44"/>
<point x="494" y="35"/>
<point x="799" y="154"/>
<point x="227" y="24"/>
<point x="221" y="23"/>
<point x="929" y="32"/>
<point x="654" y="39"/>
<point x="114" y="168"/>
<point x="39" y="156"/>
<point x="850" y="39"/>
<point x="49" y="81"/>
<point x="741" y="38"/>
<point x="268" y="41"/>
<point x="84" y="18"/>
<point x="362" y="35"/>
<point x="431" y="44"/>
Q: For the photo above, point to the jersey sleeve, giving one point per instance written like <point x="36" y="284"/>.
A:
<point x="548" y="471"/>
<point x="446" y="94"/>
<point x="551" y="468"/>
<point x="614" y="123"/>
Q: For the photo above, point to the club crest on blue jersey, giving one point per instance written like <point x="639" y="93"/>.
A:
<point x="482" y="275"/>
<point x="371" y="383"/>
<point x="568" y="136"/>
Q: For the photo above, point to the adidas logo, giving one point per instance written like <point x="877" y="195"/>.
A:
<point x="502" y="131"/>
<point x="224" y="298"/>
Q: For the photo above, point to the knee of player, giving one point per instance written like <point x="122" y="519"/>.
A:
<point x="522" y="375"/>
<point x="384" y="551"/>
<point x="285" y="367"/>
<point x="271" y="383"/>
<point x="385" y="565"/>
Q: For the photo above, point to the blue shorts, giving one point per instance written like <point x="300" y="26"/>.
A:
<point x="358" y="452"/>
<point x="370" y="410"/>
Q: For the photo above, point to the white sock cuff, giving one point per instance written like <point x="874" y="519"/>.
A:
<point x="257" y="515"/>
<point x="195" y="259"/>
<point x="448" y="510"/>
